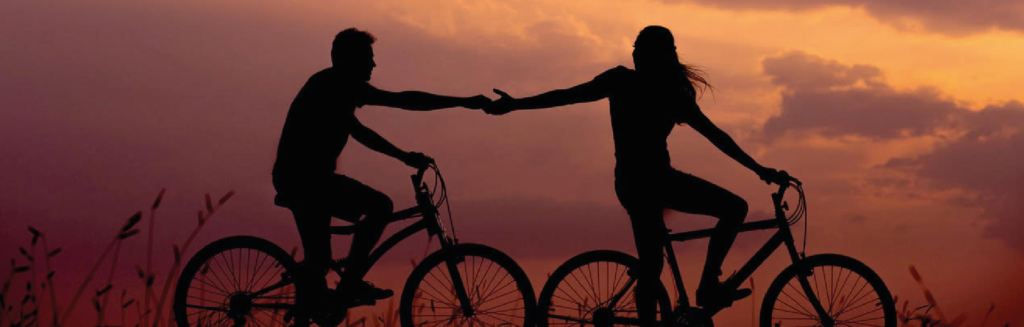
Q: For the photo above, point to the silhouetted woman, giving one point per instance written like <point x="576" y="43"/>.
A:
<point x="645" y="104"/>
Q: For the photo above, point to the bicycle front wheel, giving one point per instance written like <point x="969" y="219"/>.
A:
<point x="497" y="289"/>
<point x="236" y="281"/>
<point x="850" y="292"/>
<point x="594" y="289"/>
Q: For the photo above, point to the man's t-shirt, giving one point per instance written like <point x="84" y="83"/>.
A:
<point x="317" y="127"/>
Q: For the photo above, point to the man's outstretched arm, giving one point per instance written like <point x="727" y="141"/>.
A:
<point x="375" y="142"/>
<point x="423" y="101"/>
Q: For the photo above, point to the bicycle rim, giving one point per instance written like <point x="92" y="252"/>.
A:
<point x="850" y="292"/>
<point x="499" y="292"/>
<point x="236" y="281"/>
<point x="583" y="292"/>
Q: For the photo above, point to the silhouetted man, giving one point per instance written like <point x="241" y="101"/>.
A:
<point x="319" y="123"/>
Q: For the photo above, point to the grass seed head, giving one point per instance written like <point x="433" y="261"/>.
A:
<point x="177" y="253"/>
<point x="209" y="203"/>
<point x="127" y="234"/>
<point x="225" y="198"/>
<point x="132" y="221"/>
<point x="159" y="197"/>
<point x="104" y="290"/>
<point x="913" y="272"/>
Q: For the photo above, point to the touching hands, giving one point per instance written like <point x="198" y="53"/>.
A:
<point x="417" y="160"/>
<point x="477" y="102"/>
<point x="501" y="106"/>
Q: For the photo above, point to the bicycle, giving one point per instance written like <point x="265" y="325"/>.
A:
<point x="596" y="287"/>
<point x="249" y="281"/>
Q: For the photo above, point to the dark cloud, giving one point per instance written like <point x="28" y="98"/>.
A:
<point x="988" y="161"/>
<point x="836" y="99"/>
<point x="982" y="156"/>
<point x="954" y="17"/>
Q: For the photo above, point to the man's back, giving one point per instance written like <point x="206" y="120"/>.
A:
<point x="317" y="127"/>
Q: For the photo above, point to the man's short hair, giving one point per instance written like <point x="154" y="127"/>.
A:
<point x="350" y="39"/>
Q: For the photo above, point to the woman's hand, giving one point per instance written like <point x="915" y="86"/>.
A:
<point x="501" y="106"/>
<point x="768" y="175"/>
<point x="417" y="160"/>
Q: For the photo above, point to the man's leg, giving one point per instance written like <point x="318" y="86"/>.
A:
<point x="316" y="247"/>
<point x="377" y="208"/>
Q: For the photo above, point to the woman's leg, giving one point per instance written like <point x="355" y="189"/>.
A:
<point x="646" y="216"/>
<point x="691" y="194"/>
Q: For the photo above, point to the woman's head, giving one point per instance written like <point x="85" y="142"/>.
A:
<point x="654" y="54"/>
<point x="654" y="49"/>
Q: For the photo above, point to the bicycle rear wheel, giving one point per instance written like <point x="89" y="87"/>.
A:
<point x="581" y="292"/>
<point x="236" y="281"/>
<point x="498" y="290"/>
<point x="851" y="293"/>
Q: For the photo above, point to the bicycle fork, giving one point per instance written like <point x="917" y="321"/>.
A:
<point x="826" y="317"/>
<point x="460" y="287"/>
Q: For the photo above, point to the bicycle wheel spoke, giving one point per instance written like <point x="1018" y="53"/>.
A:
<point x="217" y="278"/>
<point x="578" y="299"/>
<point x="850" y="293"/>
<point x="494" y="295"/>
<point x="590" y="284"/>
<point x="855" y="296"/>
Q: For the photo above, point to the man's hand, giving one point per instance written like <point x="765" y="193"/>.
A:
<point x="477" y="102"/>
<point x="417" y="160"/>
<point x="501" y="106"/>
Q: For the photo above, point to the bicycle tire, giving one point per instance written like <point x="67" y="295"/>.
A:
<point x="233" y="256"/>
<point x="616" y="264"/>
<point x="422" y="302"/>
<point x="823" y="277"/>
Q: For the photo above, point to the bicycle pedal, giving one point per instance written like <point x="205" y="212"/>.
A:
<point x="359" y="303"/>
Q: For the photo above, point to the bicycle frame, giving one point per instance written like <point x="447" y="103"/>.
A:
<point x="784" y="235"/>
<point x="429" y="221"/>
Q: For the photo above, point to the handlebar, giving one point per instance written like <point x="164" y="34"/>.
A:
<point x="782" y="178"/>
<point x="418" y="177"/>
<point x="435" y="196"/>
<point x="785" y="181"/>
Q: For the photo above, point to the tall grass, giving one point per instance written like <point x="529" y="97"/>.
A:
<point x="32" y="309"/>
<point x="931" y="315"/>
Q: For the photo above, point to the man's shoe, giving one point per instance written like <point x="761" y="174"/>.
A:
<point x="718" y="296"/>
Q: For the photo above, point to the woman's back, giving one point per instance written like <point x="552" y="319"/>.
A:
<point x="644" y="110"/>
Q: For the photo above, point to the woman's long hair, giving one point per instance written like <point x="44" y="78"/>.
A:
<point x="659" y="45"/>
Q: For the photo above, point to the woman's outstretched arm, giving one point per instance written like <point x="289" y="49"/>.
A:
<point x="724" y="142"/>
<point x="585" y="92"/>
<point x="593" y="90"/>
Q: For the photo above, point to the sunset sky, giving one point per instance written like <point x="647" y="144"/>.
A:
<point x="904" y="119"/>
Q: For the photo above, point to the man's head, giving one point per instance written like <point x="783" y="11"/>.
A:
<point x="352" y="53"/>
